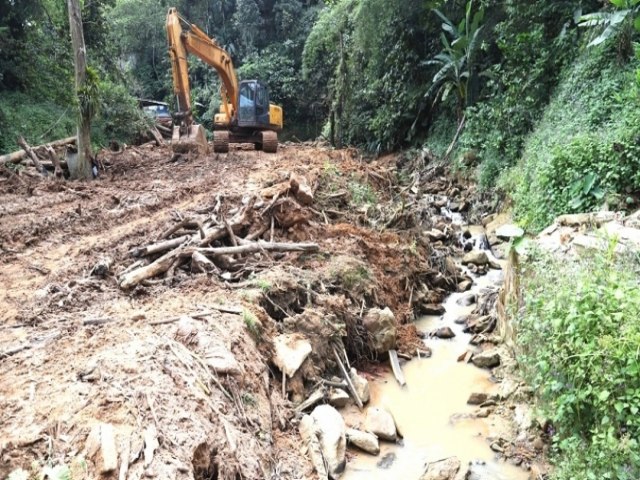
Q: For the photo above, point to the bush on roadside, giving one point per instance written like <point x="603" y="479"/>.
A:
<point x="580" y="349"/>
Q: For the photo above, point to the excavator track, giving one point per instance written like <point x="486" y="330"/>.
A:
<point x="269" y="142"/>
<point x="220" y="141"/>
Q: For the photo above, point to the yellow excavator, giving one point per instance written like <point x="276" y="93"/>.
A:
<point x="246" y="116"/>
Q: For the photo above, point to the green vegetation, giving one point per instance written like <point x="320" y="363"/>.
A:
<point x="362" y="193"/>
<point x="253" y="325"/>
<point x="579" y="335"/>
<point x="584" y="152"/>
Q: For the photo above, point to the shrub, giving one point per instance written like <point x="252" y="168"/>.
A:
<point x="119" y="117"/>
<point x="579" y="333"/>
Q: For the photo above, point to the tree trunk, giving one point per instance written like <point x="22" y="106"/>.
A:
<point x="81" y="168"/>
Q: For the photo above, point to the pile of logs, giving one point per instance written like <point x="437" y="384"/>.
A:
<point x="208" y="243"/>
<point x="43" y="157"/>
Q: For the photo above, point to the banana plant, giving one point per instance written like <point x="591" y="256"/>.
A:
<point x="626" y="11"/>
<point x="459" y="43"/>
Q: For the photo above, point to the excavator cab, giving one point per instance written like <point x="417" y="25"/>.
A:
<point x="254" y="104"/>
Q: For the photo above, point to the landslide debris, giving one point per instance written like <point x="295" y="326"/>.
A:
<point x="179" y="364"/>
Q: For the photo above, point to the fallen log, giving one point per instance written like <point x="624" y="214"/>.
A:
<point x="259" y="246"/>
<point x="160" y="247"/>
<point x="18" y="156"/>
<point x="200" y="263"/>
<point x="155" y="134"/>
<point x="30" y="153"/>
<point x="157" y="267"/>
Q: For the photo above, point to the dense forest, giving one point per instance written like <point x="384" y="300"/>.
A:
<point x="537" y="100"/>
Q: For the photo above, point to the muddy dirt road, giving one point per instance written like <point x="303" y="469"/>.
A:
<point x="180" y="375"/>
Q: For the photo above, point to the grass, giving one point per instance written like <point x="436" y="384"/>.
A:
<point x="253" y="325"/>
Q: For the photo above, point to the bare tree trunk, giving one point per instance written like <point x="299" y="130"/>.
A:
<point x="81" y="169"/>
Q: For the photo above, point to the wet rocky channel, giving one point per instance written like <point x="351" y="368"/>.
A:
<point x="445" y="411"/>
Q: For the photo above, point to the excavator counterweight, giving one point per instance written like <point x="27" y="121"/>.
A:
<point x="246" y="115"/>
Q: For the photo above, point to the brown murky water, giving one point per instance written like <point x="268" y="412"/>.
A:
<point x="431" y="410"/>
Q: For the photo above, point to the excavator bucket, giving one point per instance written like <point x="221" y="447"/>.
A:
<point x="194" y="141"/>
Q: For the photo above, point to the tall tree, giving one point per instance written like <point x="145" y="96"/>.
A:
<point x="84" y="89"/>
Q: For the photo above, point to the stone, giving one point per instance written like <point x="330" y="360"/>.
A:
<point x="360" y="384"/>
<point x="309" y="433"/>
<point x="381" y="324"/>
<point x="330" y="431"/>
<point x="445" y="469"/>
<point x="221" y="360"/>
<point x="381" y="423"/>
<point x="509" y="231"/>
<point x="290" y="351"/>
<point x="432" y="309"/>
<point x="461" y="320"/>
<point x="482" y="324"/>
<point x="365" y="441"/>
<point x="467" y="300"/>
<point x="101" y="444"/>
<point x="488" y="359"/>
<point x="444" y="332"/>
<point x="465" y="285"/>
<point x="475" y="257"/>
<point x="484" y="412"/>
<point x="301" y="189"/>
<point x="477" y="398"/>
<point x="338" y="398"/>
<point x="435" y="235"/>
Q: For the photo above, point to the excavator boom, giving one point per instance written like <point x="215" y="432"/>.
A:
<point x="236" y="121"/>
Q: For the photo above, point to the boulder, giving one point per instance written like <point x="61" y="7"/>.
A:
<point x="476" y="257"/>
<point x="488" y="359"/>
<point x="338" y="398"/>
<point x="301" y="189"/>
<point x="482" y="324"/>
<point x="360" y="384"/>
<point x="432" y="309"/>
<point x="465" y="285"/>
<point x="461" y="320"/>
<point x="365" y="441"/>
<point x="329" y="429"/>
<point x="445" y="469"/>
<point x="290" y="350"/>
<point x="381" y="324"/>
<point x="467" y="300"/>
<point x="509" y="231"/>
<point x="435" y="235"/>
<point x="444" y="332"/>
<point x="381" y="423"/>
<point x="477" y="398"/>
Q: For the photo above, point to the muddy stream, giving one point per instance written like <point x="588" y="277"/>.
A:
<point x="431" y="410"/>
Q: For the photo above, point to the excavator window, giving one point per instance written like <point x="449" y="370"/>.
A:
<point x="246" y="95"/>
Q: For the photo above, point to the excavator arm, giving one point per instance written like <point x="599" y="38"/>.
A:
<point x="196" y="42"/>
